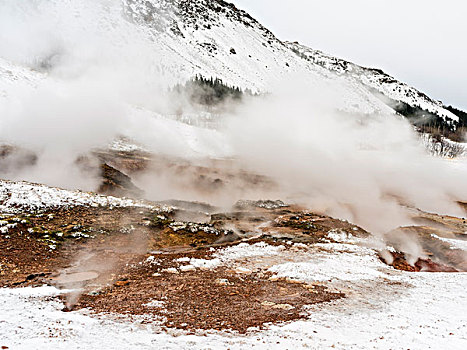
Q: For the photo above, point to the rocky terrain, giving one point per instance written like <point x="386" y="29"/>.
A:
<point x="193" y="267"/>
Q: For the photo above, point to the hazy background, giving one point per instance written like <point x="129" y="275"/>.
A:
<point x="421" y="42"/>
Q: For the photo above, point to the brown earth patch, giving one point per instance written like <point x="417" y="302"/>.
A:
<point x="217" y="299"/>
<point x="23" y="259"/>
<point x="422" y="265"/>
<point x="41" y="244"/>
<point x="119" y="274"/>
<point x="440" y="255"/>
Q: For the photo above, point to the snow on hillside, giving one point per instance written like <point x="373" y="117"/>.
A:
<point x="14" y="75"/>
<point x="179" y="39"/>
<point x="375" y="79"/>
<point x="175" y="40"/>
<point x="213" y="38"/>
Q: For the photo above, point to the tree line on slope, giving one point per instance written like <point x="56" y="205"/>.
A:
<point x="461" y="114"/>
<point x="429" y="122"/>
<point x="213" y="91"/>
<point x="437" y="132"/>
<point x="210" y="91"/>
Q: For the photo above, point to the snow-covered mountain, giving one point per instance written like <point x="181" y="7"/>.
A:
<point x="374" y="79"/>
<point x="183" y="38"/>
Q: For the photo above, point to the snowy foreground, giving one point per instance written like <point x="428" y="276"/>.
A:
<point x="384" y="309"/>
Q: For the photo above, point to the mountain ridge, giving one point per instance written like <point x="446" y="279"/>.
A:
<point x="215" y="38"/>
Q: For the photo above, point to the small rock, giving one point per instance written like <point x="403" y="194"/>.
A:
<point x="187" y="268"/>
<point x="268" y="303"/>
<point x="242" y="270"/>
<point x="283" y="306"/>
<point x="122" y="283"/>
<point x="223" y="282"/>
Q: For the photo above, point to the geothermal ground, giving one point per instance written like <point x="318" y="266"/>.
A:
<point x="221" y="164"/>
<point x="83" y="270"/>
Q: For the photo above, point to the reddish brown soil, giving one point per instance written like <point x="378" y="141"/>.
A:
<point x="425" y="265"/>
<point x="116" y="243"/>
<point x="208" y="299"/>
<point x="200" y="299"/>
<point x="441" y="257"/>
<point x="23" y="259"/>
<point x="27" y="257"/>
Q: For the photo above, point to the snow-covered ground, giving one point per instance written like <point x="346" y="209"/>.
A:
<point x="25" y="196"/>
<point x="454" y="243"/>
<point x="384" y="309"/>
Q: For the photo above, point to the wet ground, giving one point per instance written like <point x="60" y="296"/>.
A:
<point x="135" y="261"/>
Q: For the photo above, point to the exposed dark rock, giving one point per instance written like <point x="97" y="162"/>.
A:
<point x="116" y="183"/>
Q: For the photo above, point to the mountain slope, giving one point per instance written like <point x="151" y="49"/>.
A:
<point x="171" y="41"/>
<point x="214" y="38"/>
<point x="375" y="79"/>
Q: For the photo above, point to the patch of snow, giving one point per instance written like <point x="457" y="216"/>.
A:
<point x="340" y="262"/>
<point x="339" y="236"/>
<point x="159" y="304"/>
<point x="184" y="259"/>
<point x="454" y="243"/>
<point x="170" y="270"/>
<point x="238" y="252"/>
<point x="152" y="260"/>
<point x="15" y="76"/>
<point x="24" y="196"/>
<point x="205" y="263"/>
<point x="245" y="250"/>
<point x="187" y="268"/>
<point x="126" y="145"/>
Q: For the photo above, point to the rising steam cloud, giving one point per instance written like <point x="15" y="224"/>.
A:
<point x="87" y="72"/>
<point x="364" y="168"/>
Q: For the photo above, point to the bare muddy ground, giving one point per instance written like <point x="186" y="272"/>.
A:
<point x="135" y="261"/>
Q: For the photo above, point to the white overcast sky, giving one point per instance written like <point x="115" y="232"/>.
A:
<point x="421" y="42"/>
